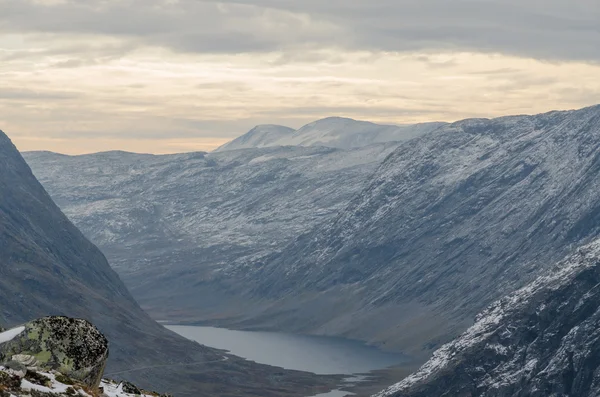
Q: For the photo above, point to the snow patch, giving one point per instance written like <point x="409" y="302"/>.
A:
<point x="9" y="335"/>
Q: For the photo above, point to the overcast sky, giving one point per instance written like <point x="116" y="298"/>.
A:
<point x="180" y="75"/>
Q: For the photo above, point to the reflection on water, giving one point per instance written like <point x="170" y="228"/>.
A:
<point x="320" y="355"/>
<point x="334" y="393"/>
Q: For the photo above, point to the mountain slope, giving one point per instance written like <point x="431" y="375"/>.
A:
<point x="404" y="256"/>
<point x="47" y="267"/>
<point x="258" y="137"/>
<point x="450" y="221"/>
<point x="540" y="341"/>
<point x="178" y="227"/>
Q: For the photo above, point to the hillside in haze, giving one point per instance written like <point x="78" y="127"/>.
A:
<point x="47" y="267"/>
<point x="198" y="217"/>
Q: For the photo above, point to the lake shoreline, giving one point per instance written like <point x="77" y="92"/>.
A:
<point x="341" y="364"/>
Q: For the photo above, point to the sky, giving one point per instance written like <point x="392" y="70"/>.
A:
<point x="165" y="76"/>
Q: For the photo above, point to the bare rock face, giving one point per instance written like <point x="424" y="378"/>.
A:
<point x="72" y="347"/>
<point x="540" y="341"/>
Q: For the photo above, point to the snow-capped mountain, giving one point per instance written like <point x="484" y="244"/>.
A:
<point x="258" y="137"/>
<point x="540" y="341"/>
<point x="310" y="239"/>
<point x="344" y="133"/>
<point x="334" y="132"/>
<point x="449" y="222"/>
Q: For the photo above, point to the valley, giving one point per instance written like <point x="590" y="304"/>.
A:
<point x="278" y="198"/>
<point x="398" y="244"/>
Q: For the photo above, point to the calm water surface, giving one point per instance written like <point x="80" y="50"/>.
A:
<point x="320" y="355"/>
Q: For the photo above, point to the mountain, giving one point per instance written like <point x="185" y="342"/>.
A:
<point x="412" y="245"/>
<point x="200" y="218"/>
<point x="540" y="341"/>
<point x="333" y="132"/>
<point x="258" y="137"/>
<point x="450" y="221"/>
<point x="47" y="267"/>
<point x="344" y="133"/>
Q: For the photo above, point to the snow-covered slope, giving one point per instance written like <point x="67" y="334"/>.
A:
<point x="16" y="383"/>
<point x="334" y="132"/>
<point x="449" y="222"/>
<point x="347" y="133"/>
<point x="171" y="223"/>
<point x="540" y="341"/>
<point x="258" y="137"/>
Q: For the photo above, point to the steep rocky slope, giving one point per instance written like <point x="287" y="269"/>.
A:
<point x="170" y="224"/>
<point x="541" y="341"/>
<point x="449" y="222"/>
<point x="47" y="267"/>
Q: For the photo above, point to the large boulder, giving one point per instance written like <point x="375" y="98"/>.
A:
<point x="70" y="346"/>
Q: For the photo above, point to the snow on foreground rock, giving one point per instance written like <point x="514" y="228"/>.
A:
<point x="57" y="356"/>
<point x="543" y="340"/>
<point x="30" y="382"/>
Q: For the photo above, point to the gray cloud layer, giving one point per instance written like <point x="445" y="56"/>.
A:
<point x="545" y="29"/>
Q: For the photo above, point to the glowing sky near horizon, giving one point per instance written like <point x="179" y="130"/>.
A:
<point x="166" y="76"/>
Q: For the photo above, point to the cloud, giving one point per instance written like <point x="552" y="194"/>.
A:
<point x="558" y="30"/>
<point x="189" y="74"/>
<point x="32" y="95"/>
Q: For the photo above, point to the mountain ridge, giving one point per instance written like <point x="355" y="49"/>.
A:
<point x="335" y="132"/>
<point x="539" y="341"/>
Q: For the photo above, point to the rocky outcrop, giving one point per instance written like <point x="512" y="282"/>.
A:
<point x="58" y="356"/>
<point x="71" y="346"/>
<point x="541" y="341"/>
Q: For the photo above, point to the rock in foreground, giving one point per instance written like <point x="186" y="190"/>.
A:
<point x="541" y="341"/>
<point x="73" y="347"/>
<point x="58" y="356"/>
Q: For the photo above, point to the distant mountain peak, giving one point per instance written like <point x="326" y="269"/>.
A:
<point x="334" y="132"/>
<point x="263" y="135"/>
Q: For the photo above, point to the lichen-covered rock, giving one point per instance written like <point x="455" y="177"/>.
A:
<point x="73" y="347"/>
<point x="131" y="388"/>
